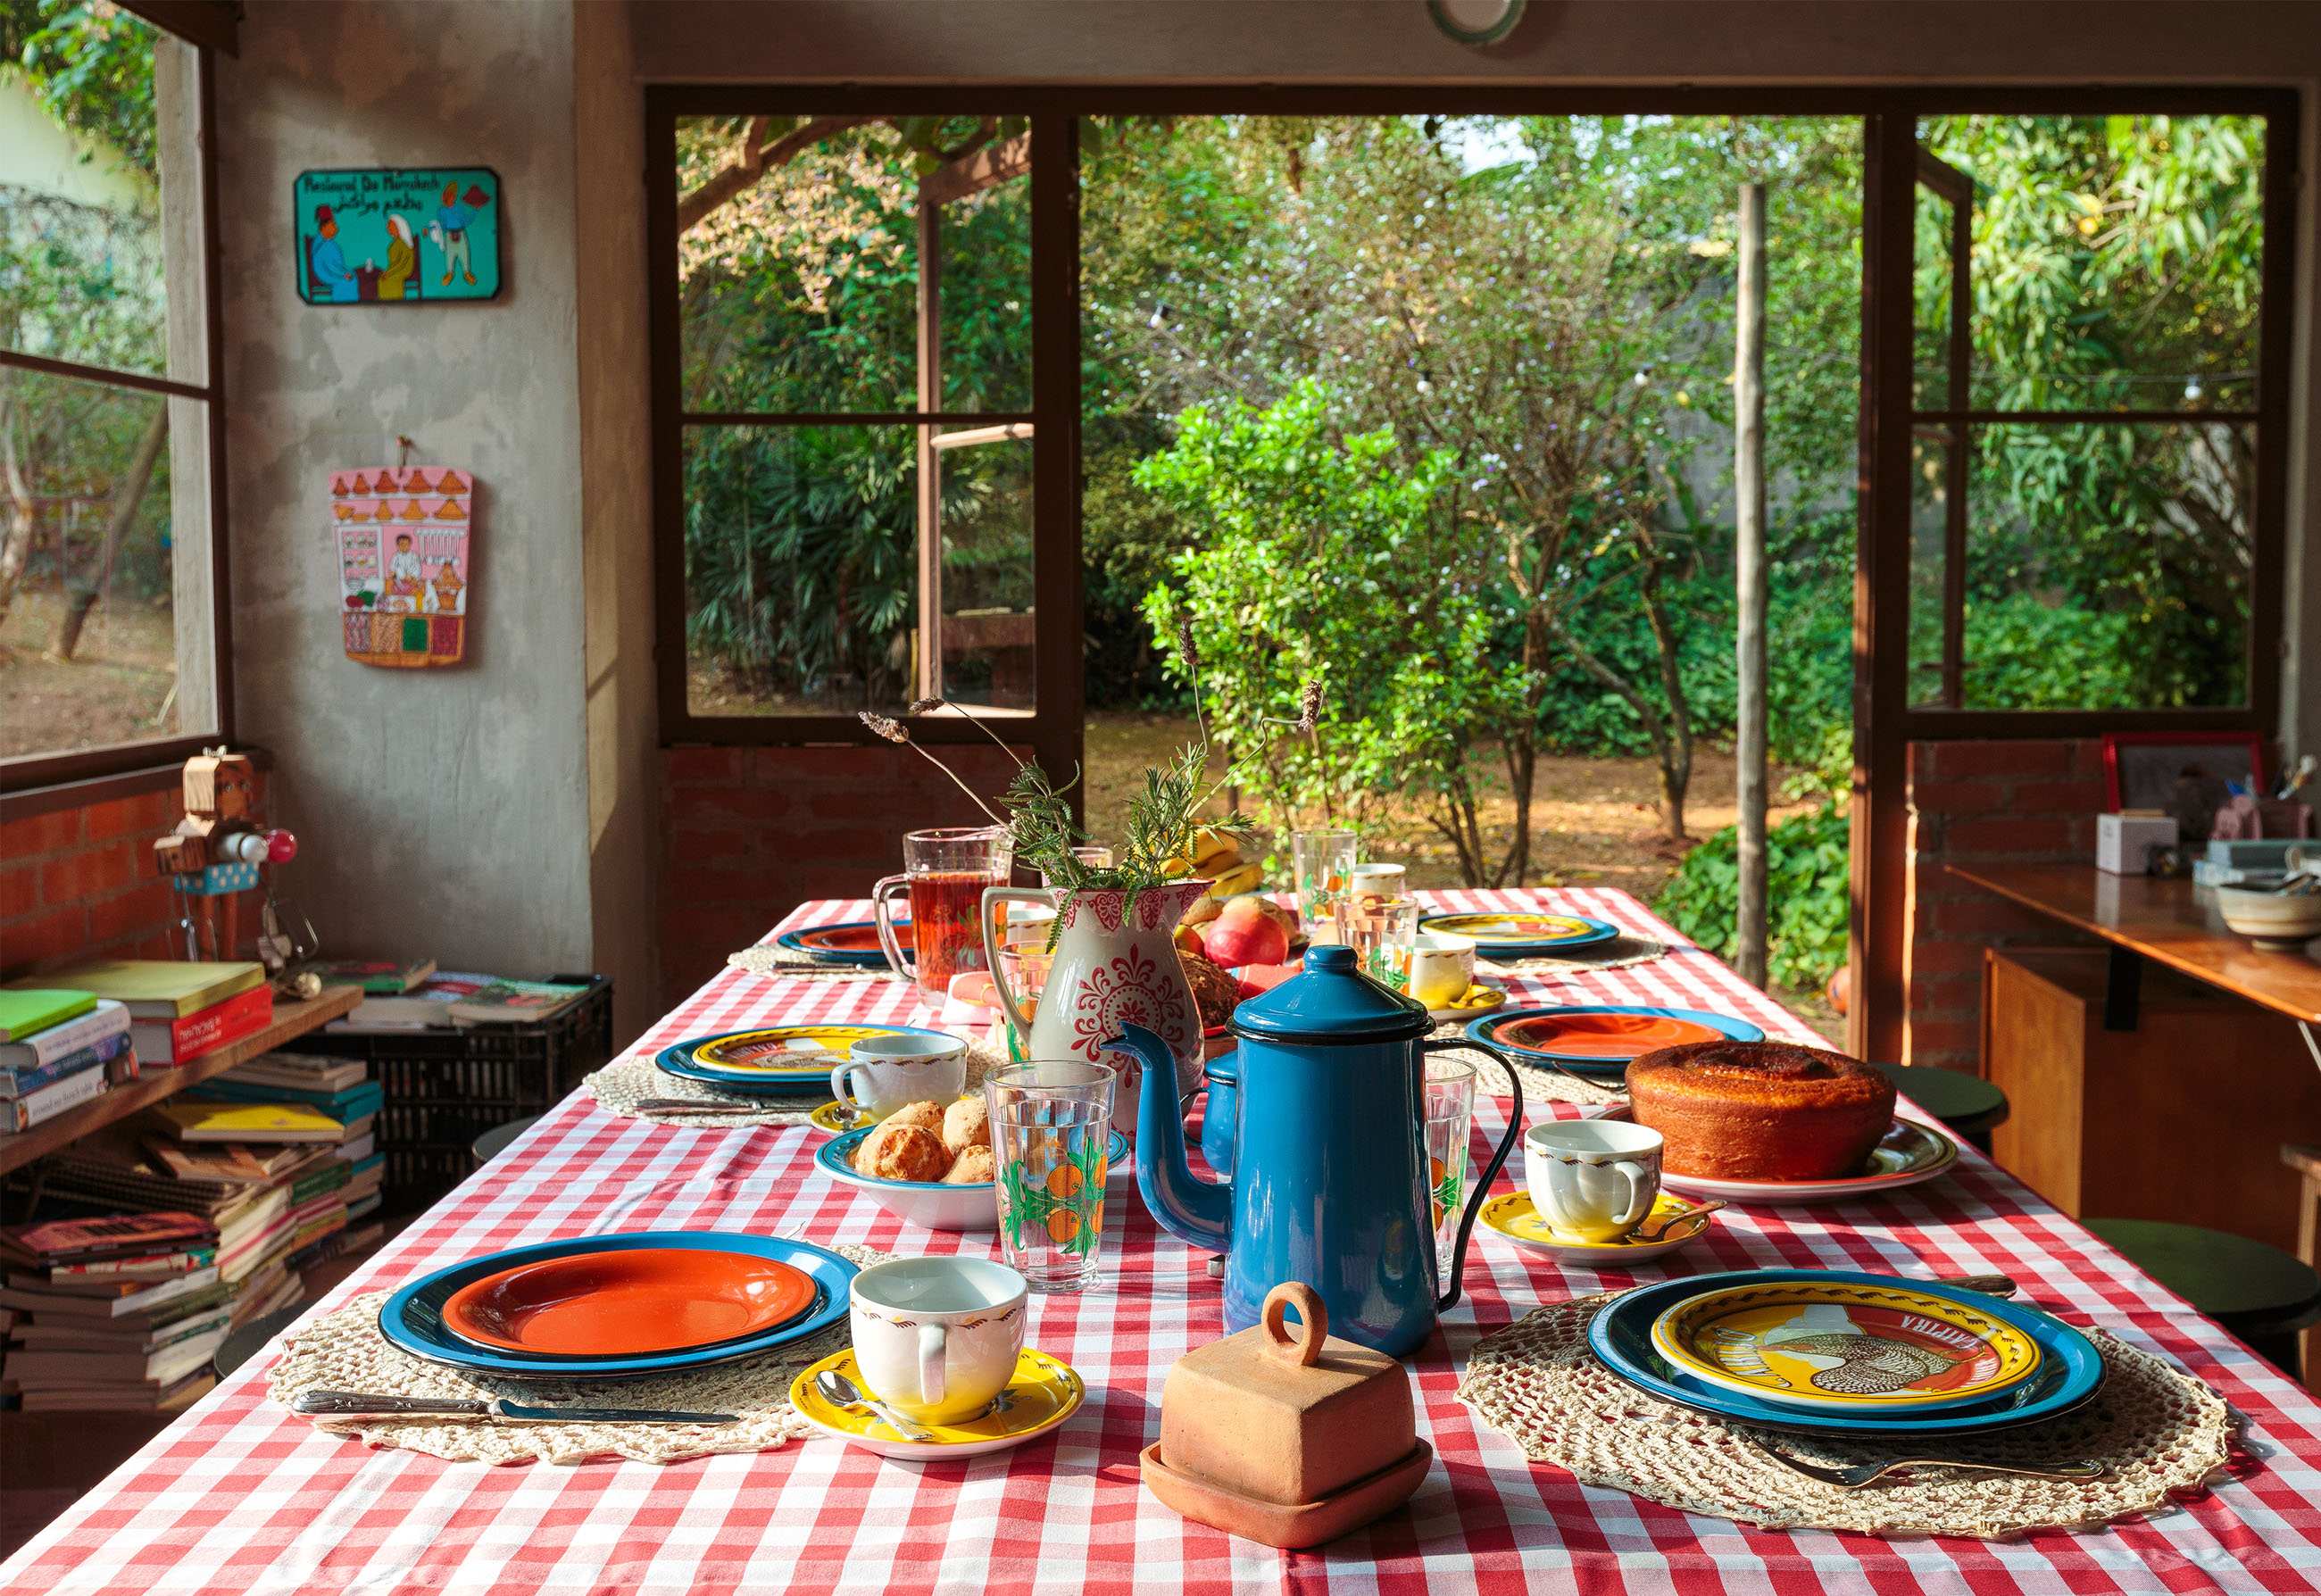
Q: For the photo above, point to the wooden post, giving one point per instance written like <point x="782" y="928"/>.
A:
<point x="1749" y="572"/>
<point x="930" y="656"/>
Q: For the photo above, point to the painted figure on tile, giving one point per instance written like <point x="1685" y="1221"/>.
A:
<point x="402" y="578"/>
<point x="401" y="258"/>
<point x="451" y="230"/>
<point x="448" y="587"/>
<point x="328" y="263"/>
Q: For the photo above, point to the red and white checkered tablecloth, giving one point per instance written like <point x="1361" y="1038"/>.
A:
<point x="237" y="1496"/>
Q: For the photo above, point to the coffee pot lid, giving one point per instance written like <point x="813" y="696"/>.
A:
<point x="1331" y="1001"/>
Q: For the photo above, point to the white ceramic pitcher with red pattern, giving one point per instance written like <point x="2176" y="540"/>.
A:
<point x="1115" y="964"/>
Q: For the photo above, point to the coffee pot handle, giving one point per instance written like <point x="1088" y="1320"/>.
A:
<point x="1450" y="1298"/>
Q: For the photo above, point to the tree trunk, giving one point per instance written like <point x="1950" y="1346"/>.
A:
<point x="1521" y="752"/>
<point x="16" y="541"/>
<point x="1675" y="748"/>
<point x="128" y="494"/>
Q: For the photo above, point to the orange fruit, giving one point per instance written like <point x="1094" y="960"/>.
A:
<point x="1064" y="1181"/>
<point x="1062" y="1225"/>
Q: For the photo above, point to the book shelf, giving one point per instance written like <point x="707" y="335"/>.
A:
<point x="292" y="1017"/>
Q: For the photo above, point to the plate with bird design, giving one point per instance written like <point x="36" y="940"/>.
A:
<point x="1850" y="1346"/>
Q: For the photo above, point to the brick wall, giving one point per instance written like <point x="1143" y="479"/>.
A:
<point x="78" y="882"/>
<point x="748" y="833"/>
<point x="1984" y="803"/>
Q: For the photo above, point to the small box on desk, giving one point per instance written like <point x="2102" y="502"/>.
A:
<point x="2123" y="843"/>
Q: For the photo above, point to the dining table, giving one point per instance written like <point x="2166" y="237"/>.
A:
<point x="237" y="1495"/>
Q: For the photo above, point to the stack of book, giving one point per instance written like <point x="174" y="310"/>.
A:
<point x="459" y="999"/>
<point x="178" y="1009"/>
<point x="118" y="1314"/>
<point x="339" y="1088"/>
<point x="59" y="1047"/>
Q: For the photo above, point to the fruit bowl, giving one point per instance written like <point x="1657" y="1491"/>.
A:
<point x="2277" y="922"/>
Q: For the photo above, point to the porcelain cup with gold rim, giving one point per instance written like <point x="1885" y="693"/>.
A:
<point x="1442" y="968"/>
<point x="937" y="1338"/>
<point x="883" y="1073"/>
<point x="1592" y="1180"/>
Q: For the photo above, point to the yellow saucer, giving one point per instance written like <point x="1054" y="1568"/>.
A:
<point x="1045" y="1391"/>
<point x="836" y="1117"/>
<point x="1475" y="1000"/>
<point x="1843" y="1347"/>
<point x="1514" y="1217"/>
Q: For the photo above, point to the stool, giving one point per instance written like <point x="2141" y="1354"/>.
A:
<point x="2257" y="1292"/>
<point x="2307" y="1162"/>
<point x="240" y="1348"/>
<point x="494" y="1140"/>
<point x="1972" y="1107"/>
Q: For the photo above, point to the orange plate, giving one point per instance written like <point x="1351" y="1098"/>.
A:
<point x="1611" y="1037"/>
<point x="847" y="939"/>
<point x="628" y="1304"/>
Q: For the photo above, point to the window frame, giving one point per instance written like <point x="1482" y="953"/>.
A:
<point x="1051" y="728"/>
<point x="26" y="772"/>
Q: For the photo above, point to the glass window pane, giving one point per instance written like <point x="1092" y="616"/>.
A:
<point x="1930" y="322"/>
<point x="801" y="570"/>
<point x="2117" y="259"/>
<point x="105" y="625"/>
<point x="986" y="298"/>
<point x="988" y="619"/>
<point x="100" y="214"/>
<point x="1930" y="453"/>
<point x="2108" y="566"/>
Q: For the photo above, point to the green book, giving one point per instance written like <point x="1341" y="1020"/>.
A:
<point x="160" y="988"/>
<point x="25" y="1011"/>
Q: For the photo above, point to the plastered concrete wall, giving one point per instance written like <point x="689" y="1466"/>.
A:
<point x="446" y="812"/>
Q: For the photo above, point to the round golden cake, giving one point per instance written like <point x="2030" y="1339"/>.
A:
<point x="1761" y="1111"/>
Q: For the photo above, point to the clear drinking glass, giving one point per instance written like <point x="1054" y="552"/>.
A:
<point x="1094" y="856"/>
<point x="1025" y="962"/>
<point x="1385" y="932"/>
<point x="1447" y="1100"/>
<point x="1323" y="861"/>
<point x="1052" y="1142"/>
<point x="945" y="871"/>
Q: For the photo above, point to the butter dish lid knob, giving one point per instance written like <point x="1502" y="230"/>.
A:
<point x="1304" y="1346"/>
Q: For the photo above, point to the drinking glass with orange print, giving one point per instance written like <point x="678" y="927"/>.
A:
<point x="1051" y="1140"/>
<point x="1447" y="1098"/>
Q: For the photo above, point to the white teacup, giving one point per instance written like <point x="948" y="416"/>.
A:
<point x="1593" y="1179"/>
<point x="883" y="1073"/>
<point x="1442" y="967"/>
<point x="937" y="1338"/>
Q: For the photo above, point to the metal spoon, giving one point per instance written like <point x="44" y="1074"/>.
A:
<point x="842" y="1393"/>
<point x="1659" y="1224"/>
<point x="1854" y="1476"/>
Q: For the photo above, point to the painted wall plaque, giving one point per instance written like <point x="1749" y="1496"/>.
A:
<point x="397" y="236"/>
<point x="404" y="581"/>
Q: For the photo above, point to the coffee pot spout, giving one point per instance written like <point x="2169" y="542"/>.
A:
<point x="1196" y="1211"/>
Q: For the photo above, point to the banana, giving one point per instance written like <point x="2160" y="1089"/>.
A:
<point x="1215" y="853"/>
<point x="1241" y="878"/>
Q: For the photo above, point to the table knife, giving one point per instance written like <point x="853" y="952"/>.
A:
<point x="356" y="1404"/>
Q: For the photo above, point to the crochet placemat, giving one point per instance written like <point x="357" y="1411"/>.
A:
<point x="619" y="1088"/>
<point x="2158" y="1430"/>
<point x="1618" y="953"/>
<point x="768" y="959"/>
<point x="343" y="1351"/>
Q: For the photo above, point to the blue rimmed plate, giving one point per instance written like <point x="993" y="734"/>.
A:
<point x="773" y="1061"/>
<point x="852" y="945"/>
<point x="931" y="1204"/>
<point x="1600" y="1038"/>
<point x="1522" y="933"/>
<point x="2071" y="1370"/>
<point x="412" y="1320"/>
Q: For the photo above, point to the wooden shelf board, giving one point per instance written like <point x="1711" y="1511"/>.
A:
<point x="294" y="1017"/>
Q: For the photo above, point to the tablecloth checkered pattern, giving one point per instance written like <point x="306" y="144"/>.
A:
<point x="239" y="1497"/>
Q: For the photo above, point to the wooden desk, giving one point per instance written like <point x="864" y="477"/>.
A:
<point x="2146" y="917"/>
<point x="291" y="1018"/>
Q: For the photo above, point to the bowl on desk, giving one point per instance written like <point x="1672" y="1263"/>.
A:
<point x="2277" y="922"/>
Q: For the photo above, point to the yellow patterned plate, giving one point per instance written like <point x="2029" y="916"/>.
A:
<point x="784" y="1049"/>
<point x="1046" y="1391"/>
<point x="1844" y="1347"/>
<point x="1502" y="929"/>
<point x="1514" y="1217"/>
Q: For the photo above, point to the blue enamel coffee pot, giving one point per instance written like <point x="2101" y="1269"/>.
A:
<point x="1330" y="1181"/>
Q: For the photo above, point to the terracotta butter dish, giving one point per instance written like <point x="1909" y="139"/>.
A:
<point x="1286" y="1436"/>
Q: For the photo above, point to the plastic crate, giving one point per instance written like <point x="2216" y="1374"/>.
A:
<point x="444" y="1088"/>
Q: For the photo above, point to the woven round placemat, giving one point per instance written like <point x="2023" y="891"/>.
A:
<point x="343" y="1351"/>
<point x="768" y="959"/>
<point x="1618" y="953"/>
<point x="2158" y="1430"/>
<point x="619" y="1088"/>
<point x="1538" y="1086"/>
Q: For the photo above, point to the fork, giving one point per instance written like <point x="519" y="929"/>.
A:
<point x="1854" y="1476"/>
